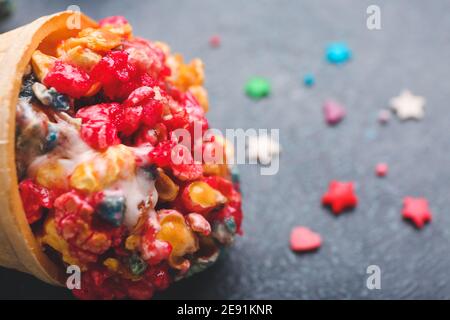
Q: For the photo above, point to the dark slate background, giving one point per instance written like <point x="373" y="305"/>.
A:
<point x="282" y="40"/>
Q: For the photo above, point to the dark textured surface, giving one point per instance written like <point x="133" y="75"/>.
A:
<point x="282" y="40"/>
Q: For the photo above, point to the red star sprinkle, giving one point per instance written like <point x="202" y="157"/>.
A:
<point x="381" y="169"/>
<point x="303" y="239"/>
<point x="417" y="210"/>
<point x="340" y="196"/>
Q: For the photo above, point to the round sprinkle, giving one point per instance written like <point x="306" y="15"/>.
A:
<point x="309" y="80"/>
<point x="257" y="88"/>
<point x="52" y="138"/>
<point x="338" y="53"/>
<point x="371" y="134"/>
<point x="215" y="41"/>
<point x="384" y="116"/>
<point x="381" y="169"/>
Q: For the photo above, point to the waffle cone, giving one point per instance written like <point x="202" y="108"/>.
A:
<point x="19" y="248"/>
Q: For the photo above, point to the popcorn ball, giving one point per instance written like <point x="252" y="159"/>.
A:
<point x="105" y="181"/>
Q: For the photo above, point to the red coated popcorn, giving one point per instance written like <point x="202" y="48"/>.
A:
<point x="99" y="124"/>
<point x="111" y="185"/>
<point x="117" y="76"/>
<point x="35" y="199"/>
<point x="147" y="57"/>
<point x="68" y="79"/>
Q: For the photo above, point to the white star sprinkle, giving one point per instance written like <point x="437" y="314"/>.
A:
<point x="408" y="106"/>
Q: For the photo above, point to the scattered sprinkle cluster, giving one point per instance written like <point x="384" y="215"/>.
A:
<point x="341" y="195"/>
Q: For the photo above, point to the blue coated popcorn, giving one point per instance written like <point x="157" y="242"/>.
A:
<point x="112" y="208"/>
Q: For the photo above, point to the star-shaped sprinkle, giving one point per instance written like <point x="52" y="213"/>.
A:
<point x="417" y="210"/>
<point x="303" y="239"/>
<point x="408" y="106"/>
<point x="381" y="169"/>
<point x="257" y="88"/>
<point x="263" y="148"/>
<point x="333" y="112"/>
<point x="340" y="196"/>
<point x="338" y="53"/>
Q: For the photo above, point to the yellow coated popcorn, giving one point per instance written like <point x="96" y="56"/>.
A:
<point x="216" y="155"/>
<point x="96" y="242"/>
<point x="68" y="44"/>
<point x="132" y="242"/>
<point x="112" y="264"/>
<point x="103" y="170"/>
<point x="84" y="178"/>
<point x="184" y="75"/>
<point x="221" y="170"/>
<point x="116" y="266"/>
<point x="99" y="40"/>
<point x="42" y="64"/>
<point x="163" y="46"/>
<point x="182" y="239"/>
<point x="204" y="195"/>
<point x="82" y="57"/>
<point x="54" y="240"/>
<point x="52" y="175"/>
<point x="167" y="189"/>
<point x="228" y="150"/>
<point x="122" y="30"/>
<point x="201" y="95"/>
<point x="120" y="163"/>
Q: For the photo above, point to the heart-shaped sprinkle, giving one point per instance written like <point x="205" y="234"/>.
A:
<point x="303" y="239"/>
